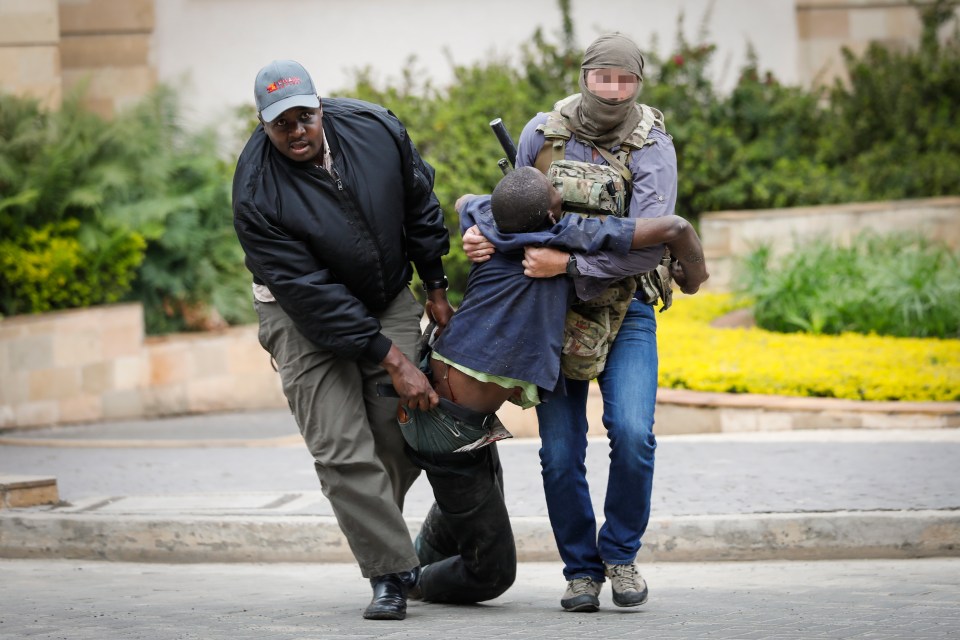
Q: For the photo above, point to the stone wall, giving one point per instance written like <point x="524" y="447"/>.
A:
<point x="30" y="50"/>
<point x="48" y="48"/>
<point x="825" y="26"/>
<point x="106" y="45"/>
<point x="95" y="364"/>
<point x="727" y="235"/>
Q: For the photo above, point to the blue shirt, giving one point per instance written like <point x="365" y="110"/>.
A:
<point x="511" y="325"/>
<point x="654" y="194"/>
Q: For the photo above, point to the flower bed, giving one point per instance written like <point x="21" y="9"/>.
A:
<point x="699" y="357"/>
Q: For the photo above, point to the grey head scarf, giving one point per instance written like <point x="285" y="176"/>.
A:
<point x="600" y="120"/>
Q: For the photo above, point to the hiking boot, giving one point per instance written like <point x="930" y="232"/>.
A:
<point x="582" y="595"/>
<point x="629" y="587"/>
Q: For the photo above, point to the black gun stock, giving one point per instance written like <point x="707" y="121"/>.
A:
<point x="507" y="143"/>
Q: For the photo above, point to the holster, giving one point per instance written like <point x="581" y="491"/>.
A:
<point x="657" y="284"/>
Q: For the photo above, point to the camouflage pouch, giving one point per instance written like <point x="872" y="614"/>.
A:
<point x="591" y="327"/>
<point x="657" y="284"/>
<point x="589" y="188"/>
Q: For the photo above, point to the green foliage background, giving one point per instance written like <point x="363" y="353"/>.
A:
<point x="139" y="209"/>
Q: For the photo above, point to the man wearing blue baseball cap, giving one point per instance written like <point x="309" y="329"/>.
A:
<point x="332" y="203"/>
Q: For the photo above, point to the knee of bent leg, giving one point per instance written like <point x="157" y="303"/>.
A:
<point x="639" y="441"/>
<point x="496" y="577"/>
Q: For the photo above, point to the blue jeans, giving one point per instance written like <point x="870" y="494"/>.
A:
<point x="628" y="386"/>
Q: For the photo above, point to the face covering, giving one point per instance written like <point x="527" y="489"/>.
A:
<point x="606" y="122"/>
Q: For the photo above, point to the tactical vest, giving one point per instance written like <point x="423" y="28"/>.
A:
<point x="595" y="190"/>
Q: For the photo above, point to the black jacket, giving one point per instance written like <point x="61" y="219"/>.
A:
<point x="335" y="248"/>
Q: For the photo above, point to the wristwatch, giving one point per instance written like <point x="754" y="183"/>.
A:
<point x="572" y="266"/>
<point x="430" y="285"/>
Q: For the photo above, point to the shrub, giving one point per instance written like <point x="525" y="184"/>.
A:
<point x="898" y="117"/>
<point x="50" y="268"/>
<point x="888" y="285"/>
<point x="91" y="187"/>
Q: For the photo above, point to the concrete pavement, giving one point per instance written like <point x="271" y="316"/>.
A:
<point x="81" y="600"/>
<point x="241" y="487"/>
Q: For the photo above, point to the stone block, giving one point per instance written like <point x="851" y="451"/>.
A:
<point x="105" y="50"/>
<point x="123" y="323"/>
<point x="817" y="24"/>
<point x="111" y="89"/>
<point x="165" y="400"/>
<point x="827" y="420"/>
<point x="81" y="408"/>
<point x="27" y="491"/>
<point x="671" y="419"/>
<point x="76" y="320"/>
<point x="869" y="24"/>
<point x="11" y="329"/>
<point x="97" y="378"/>
<point x="715" y="237"/>
<point x="123" y="403"/>
<point x="104" y="16"/>
<point x="246" y="356"/>
<point x="53" y="384"/>
<point x="820" y="61"/>
<point x="129" y="372"/>
<point x="77" y="347"/>
<point x="881" y="420"/>
<point x="209" y="357"/>
<point x="123" y="340"/>
<point x="42" y="324"/>
<point x="13" y="387"/>
<point x="741" y="420"/>
<point x="904" y="23"/>
<point x="232" y="392"/>
<point x="36" y="414"/>
<point x="32" y="72"/>
<point x="29" y="22"/>
<point x="169" y="363"/>
<point x="31" y="353"/>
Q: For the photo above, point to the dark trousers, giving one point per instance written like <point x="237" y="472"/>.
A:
<point x="467" y="538"/>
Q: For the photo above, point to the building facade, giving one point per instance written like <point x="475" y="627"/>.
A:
<point x="120" y="49"/>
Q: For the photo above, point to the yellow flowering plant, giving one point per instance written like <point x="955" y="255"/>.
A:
<point x="697" y="356"/>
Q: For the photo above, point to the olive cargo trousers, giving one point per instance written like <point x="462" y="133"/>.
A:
<point x="351" y="432"/>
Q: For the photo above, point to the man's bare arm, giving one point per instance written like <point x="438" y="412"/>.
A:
<point x="684" y="244"/>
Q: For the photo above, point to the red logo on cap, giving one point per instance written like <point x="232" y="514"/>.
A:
<point x="281" y="83"/>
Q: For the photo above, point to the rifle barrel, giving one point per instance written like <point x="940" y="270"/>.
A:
<point x="505" y="140"/>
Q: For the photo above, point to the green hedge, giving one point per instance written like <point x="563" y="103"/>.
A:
<point x="136" y="208"/>
<point x="893" y="132"/>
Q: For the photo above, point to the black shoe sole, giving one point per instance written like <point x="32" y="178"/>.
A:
<point x="384" y="615"/>
<point x="582" y="607"/>
<point x="630" y="604"/>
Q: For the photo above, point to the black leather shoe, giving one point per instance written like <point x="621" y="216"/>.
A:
<point x="390" y="595"/>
